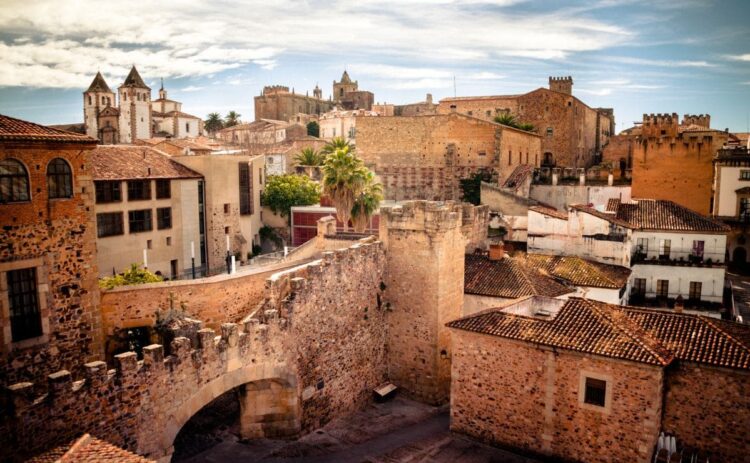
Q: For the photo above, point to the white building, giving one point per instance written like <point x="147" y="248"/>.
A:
<point x="672" y="251"/>
<point x="338" y="123"/>
<point x="732" y="199"/>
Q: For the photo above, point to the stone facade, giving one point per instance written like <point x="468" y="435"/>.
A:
<point x="671" y="160"/>
<point x="573" y="134"/>
<point x="56" y="237"/>
<point x="424" y="157"/>
<point x="276" y="102"/>
<point x="516" y="395"/>
<point x="319" y="338"/>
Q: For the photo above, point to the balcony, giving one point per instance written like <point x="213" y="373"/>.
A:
<point x="616" y="237"/>
<point x="679" y="259"/>
<point x="653" y="301"/>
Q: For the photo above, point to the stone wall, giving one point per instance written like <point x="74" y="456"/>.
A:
<point x="424" y="283"/>
<point x="512" y="394"/>
<point x="281" y="105"/>
<point x="424" y="157"/>
<point x="58" y="238"/>
<point x="317" y="333"/>
<point x="701" y="407"/>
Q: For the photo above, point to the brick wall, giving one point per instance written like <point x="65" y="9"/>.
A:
<point x="701" y="410"/>
<point x="424" y="157"/>
<point x="513" y="394"/>
<point x="58" y="237"/>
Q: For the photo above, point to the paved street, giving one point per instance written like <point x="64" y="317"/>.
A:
<point x="398" y="431"/>
<point x="741" y="285"/>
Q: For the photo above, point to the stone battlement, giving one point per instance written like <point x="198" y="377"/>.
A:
<point x="702" y="120"/>
<point x="273" y="89"/>
<point x="660" y="119"/>
<point x="561" y="79"/>
<point x="561" y="84"/>
<point x="422" y="215"/>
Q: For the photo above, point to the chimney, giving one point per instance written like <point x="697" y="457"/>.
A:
<point x="679" y="304"/>
<point x="497" y="252"/>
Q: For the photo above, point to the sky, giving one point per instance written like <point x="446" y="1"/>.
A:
<point x="636" y="56"/>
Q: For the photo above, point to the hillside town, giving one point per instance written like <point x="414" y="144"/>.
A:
<point x="494" y="278"/>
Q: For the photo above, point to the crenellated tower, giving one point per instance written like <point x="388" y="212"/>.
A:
<point x="660" y="125"/>
<point x="701" y="120"/>
<point x="561" y="84"/>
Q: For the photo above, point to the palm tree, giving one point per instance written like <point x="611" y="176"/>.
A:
<point x="213" y="123"/>
<point x="366" y="203"/>
<point x="233" y="118"/>
<point x="337" y="143"/>
<point x="506" y="119"/>
<point x="344" y="178"/>
<point x="309" y="159"/>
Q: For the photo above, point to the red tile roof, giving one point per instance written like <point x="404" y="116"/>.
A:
<point x="550" y="212"/>
<point x="659" y="214"/>
<point x="17" y="130"/>
<point x="581" y="272"/>
<point x="581" y="325"/>
<point x="645" y="335"/>
<point x="125" y="162"/>
<point x="613" y="204"/>
<point x="508" y="278"/>
<point x="518" y="176"/>
<point x="88" y="449"/>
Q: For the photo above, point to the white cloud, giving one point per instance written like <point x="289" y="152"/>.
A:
<point x="194" y="38"/>
<point x="597" y="92"/>
<point x="656" y="62"/>
<point x="420" y="84"/>
<point x="485" y="76"/>
<point x="191" y="88"/>
<point x="745" y="57"/>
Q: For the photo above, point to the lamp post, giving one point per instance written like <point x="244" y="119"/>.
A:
<point x="229" y="258"/>
<point x="192" y="257"/>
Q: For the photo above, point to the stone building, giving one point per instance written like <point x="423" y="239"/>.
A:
<point x="580" y="380"/>
<point x="572" y="133"/>
<point x="136" y="117"/>
<point x="276" y="102"/>
<point x="49" y="317"/>
<point x="147" y="207"/>
<point x="421" y="108"/>
<point x="670" y="160"/>
<point x="347" y="95"/>
<point x="731" y="201"/>
<point x="262" y="132"/>
<point x="342" y="123"/>
<point x="425" y="157"/>
<point x="675" y="254"/>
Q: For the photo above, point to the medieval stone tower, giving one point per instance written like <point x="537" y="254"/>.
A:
<point x="95" y="99"/>
<point x="424" y="282"/>
<point x="561" y="84"/>
<point x="317" y="92"/>
<point x="135" y="108"/>
<point x="340" y="89"/>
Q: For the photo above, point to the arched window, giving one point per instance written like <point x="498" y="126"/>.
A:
<point x="59" y="179"/>
<point x="14" y="181"/>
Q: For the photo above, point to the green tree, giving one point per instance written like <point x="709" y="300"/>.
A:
<point x="313" y="129"/>
<point x="232" y="119"/>
<point x="506" y="119"/>
<point x="366" y="203"/>
<point x="471" y="187"/>
<point x="282" y="192"/>
<point x="135" y="275"/>
<point x="213" y="123"/>
<point x="344" y="178"/>
<point x="526" y="126"/>
<point x="308" y="157"/>
<point x="336" y="144"/>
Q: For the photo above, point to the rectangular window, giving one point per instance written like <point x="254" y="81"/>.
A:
<point x="246" y="189"/>
<point x="510" y="157"/>
<point x="549" y="131"/>
<point x="140" y="221"/>
<point x="695" y="290"/>
<point x="25" y="316"/>
<point x="665" y="248"/>
<point x="163" y="189"/>
<point x="639" y="287"/>
<point x="745" y="208"/>
<point x="109" y="224"/>
<point x="698" y="246"/>
<point x="139" y="190"/>
<point x="642" y="245"/>
<point x="662" y="288"/>
<point x="596" y="392"/>
<point x="745" y="175"/>
<point x="108" y="192"/>
<point x="483" y="153"/>
<point x="163" y="218"/>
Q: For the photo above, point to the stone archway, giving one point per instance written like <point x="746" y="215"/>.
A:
<point x="259" y="411"/>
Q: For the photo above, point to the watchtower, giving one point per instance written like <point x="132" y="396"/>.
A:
<point x="561" y="84"/>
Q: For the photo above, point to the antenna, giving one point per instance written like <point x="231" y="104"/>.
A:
<point x="454" y="86"/>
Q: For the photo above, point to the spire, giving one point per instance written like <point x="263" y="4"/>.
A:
<point x="98" y="84"/>
<point x="345" y="78"/>
<point x="162" y="84"/>
<point x="134" y="80"/>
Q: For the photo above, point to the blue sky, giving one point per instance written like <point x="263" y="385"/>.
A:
<point x="637" y="56"/>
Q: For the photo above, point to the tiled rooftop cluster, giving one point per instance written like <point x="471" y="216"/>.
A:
<point x="12" y="129"/>
<point x="580" y="272"/>
<point x="509" y="278"/>
<point x="654" y="214"/>
<point x="628" y="333"/>
<point x="119" y="162"/>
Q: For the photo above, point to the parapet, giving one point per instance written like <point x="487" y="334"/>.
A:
<point x="701" y="120"/>
<point x="561" y="84"/>
<point x="660" y="125"/>
<point x="422" y="215"/>
<point x="273" y="89"/>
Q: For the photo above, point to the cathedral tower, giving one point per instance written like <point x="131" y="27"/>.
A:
<point x="95" y="99"/>
<point x="346" y="85"/>
<point x="135" y="108"/>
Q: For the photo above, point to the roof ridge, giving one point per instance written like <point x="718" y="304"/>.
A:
<point x="591" y="268"/>
<point x="710" y="322"/>
<point x="635" y="333"/>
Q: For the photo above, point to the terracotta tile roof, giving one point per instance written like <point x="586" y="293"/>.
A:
<point x="612" y="204"/>
<point x="509" y="278"/>
<point x="518" y="176"/>
<point x="658" y="214"/>
<point x="581" y="272"/>
<point x="646" y="335"/>
<point x="99" y="84"/>
<point x="110" y="111"/>
<point x="610" y="217"/>
<point x="580" y="325"/>
<point x="12" y="129"/>
<point x="696" y="338"/>
<point x="88" y="449"/>
<point x="550" y="212"/>
<point x="123" y="162"/>
<point x="183" y="143"/>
